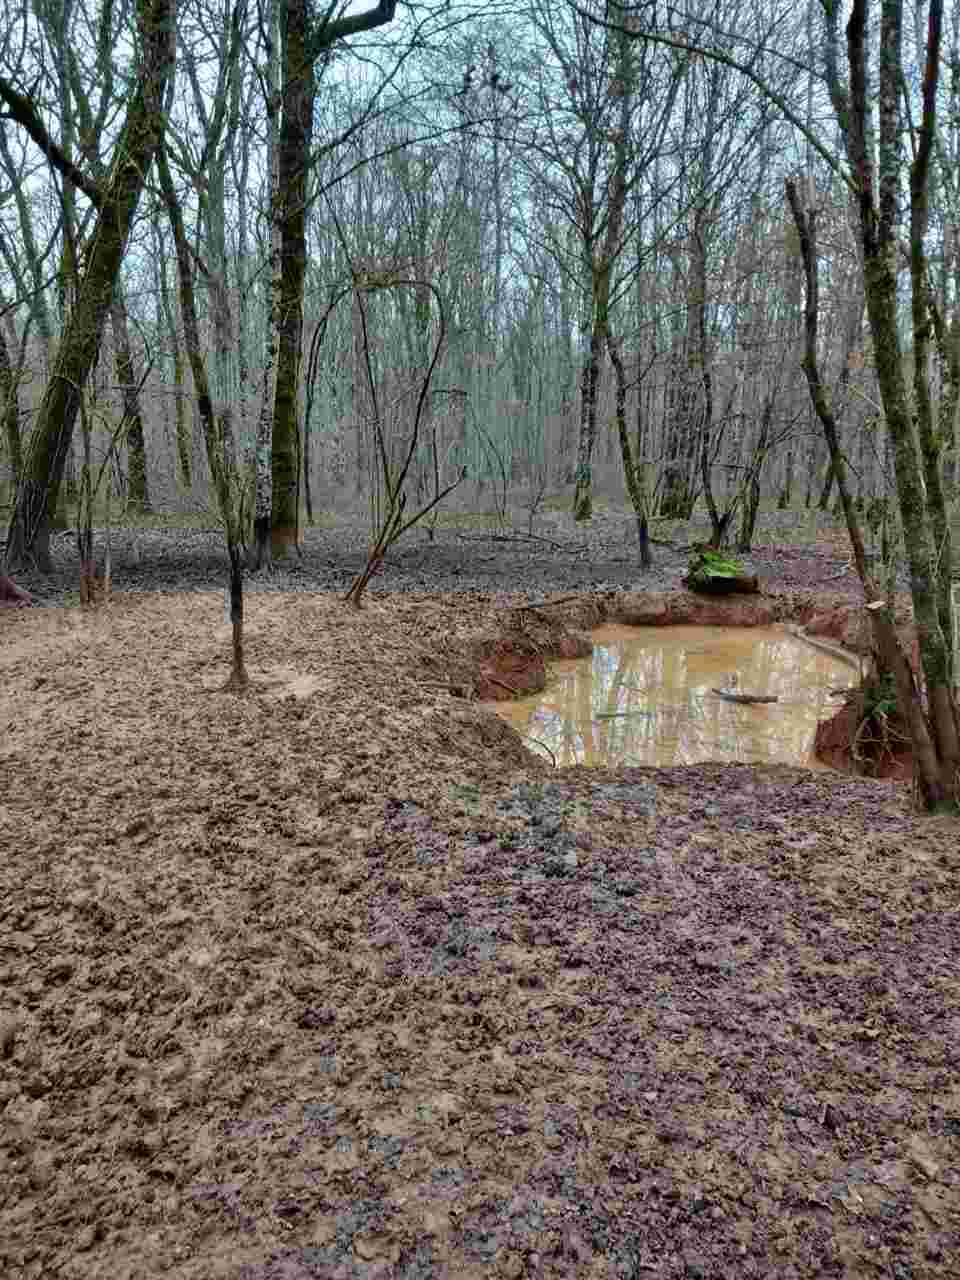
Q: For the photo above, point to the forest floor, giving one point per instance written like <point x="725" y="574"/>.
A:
<point x="335" y="979"/>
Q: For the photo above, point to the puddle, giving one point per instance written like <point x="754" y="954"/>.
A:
<point x="646" y="697"/>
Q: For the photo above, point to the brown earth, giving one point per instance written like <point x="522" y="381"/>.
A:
<point x="335" y="979"/>
<point x="850" y="741"/>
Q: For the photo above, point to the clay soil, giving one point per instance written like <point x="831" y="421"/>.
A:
<point x="335" y="979"/>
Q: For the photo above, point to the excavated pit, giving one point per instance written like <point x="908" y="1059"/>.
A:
<point x="513" y="677"/>
<point x="662" y="696"/>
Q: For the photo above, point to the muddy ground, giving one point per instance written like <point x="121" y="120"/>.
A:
<point x="335" y="979"/>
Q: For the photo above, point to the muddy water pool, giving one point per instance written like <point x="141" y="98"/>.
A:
<point x="646" y="697"/>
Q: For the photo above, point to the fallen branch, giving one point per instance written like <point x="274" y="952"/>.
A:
<point x="620" y="715"/>
<point x="729" y="695"/>
<point x="508" y="537"/>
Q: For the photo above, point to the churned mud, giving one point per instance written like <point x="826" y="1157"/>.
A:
<point x="335" y="979"/>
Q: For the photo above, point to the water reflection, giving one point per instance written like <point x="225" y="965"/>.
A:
<point x="645" y="698"/>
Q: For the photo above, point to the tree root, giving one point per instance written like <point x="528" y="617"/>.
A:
<point x="11" y="594"/>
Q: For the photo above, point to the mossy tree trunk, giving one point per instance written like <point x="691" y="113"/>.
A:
<point x="934" y="722"/>
<point x="303" y="40"/>
<point x="293" y="158"/>
<point x="116" y="200"/>
<point x="260" y="463"/>
<point x="589" y="392"/>
<point x="10" y="410"/>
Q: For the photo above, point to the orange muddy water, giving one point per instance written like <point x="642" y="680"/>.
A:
<point x="645" y="697"/>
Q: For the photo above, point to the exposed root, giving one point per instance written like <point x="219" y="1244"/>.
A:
<point x="835" y="650"/>
<point x="11" y="594"/>
<point x="879" y="737"/>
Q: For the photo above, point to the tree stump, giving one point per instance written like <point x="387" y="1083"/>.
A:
<point x="742" y="584"/>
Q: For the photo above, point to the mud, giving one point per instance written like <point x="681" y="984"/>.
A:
<point x="335" y="979"/>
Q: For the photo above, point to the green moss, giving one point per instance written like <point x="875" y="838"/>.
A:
<point x="708" y="563"/>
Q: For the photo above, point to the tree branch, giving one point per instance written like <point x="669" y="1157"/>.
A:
<point x="327" y="32"/>
<point x="636" y="31"/>
<point x="23" y="111"/>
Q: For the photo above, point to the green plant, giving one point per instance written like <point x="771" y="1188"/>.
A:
<point x="710" y="563"/>
<point x="879" y="697"/>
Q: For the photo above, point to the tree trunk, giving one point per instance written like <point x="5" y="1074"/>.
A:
<point x="293" y="153"/>
<point x="829" y="478"/>
<point x="262" y="474"/>
<point x="632" y="466"/>
<point x="138" y="497"/>
<point x="601" y="271"/>
<point x="589" y="389"/>
<point x="166" y="314"/>
<point x="677" y="499"/>
<point x="181" y="425"/>
<point x="80" y="345"/>
<point x="749" y="512"/>
<point x="10" y="411"/>
<point x="219" y="446"/>
<point x="751" y="498"/>
<point x="303" y="40"/>
<point x="934" y="741"/>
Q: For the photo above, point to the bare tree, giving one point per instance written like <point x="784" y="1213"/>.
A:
<point x="215" y="432"/>
<point x="589" y="155"/>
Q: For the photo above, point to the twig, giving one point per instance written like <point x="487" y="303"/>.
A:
<point x="503" y="685"/>
<point x="729" y="696"/>
<point x="621" y="715"/>
<point x="531" y="738"/>
<point x="544" y="604"/>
